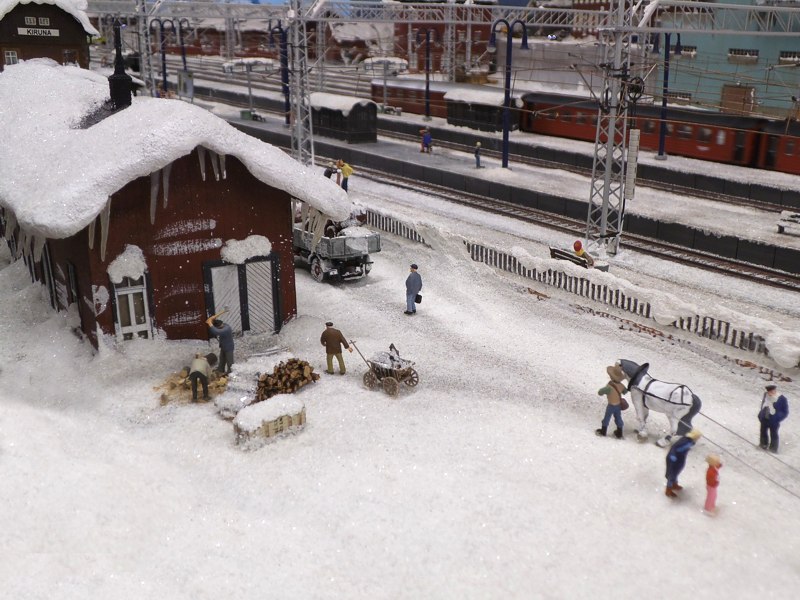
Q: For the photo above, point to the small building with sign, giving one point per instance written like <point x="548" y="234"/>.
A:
<point x="57" y="29"/>
<point x="143" y="216"/>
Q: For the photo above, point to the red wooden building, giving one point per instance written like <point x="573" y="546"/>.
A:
<point x="148" y="218"/>
<point x="57" y="29"/>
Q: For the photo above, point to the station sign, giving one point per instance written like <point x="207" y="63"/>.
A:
<point x="37" y="31"/>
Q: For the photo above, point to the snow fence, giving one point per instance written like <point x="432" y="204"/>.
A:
<point x="565" y="276"/>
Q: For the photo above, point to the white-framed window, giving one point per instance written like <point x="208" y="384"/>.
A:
<point x="133" y="312"/>
<point x="686" y="51"/>
<point x="30" y="21"/>
<point x="10" y="57"/>
<point x="743" y="55"/>
<point x="44" y="21"/>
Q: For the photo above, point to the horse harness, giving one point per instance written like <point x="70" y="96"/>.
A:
<point x="646" y="393"/>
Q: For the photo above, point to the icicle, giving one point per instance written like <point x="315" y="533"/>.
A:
<point x="38" y="246"/>
<point x="201" y="154"/>
<point x="165" y="180"/>
<point x="153" y="195"/>
<point x="23" y="244"/>
<point x="215" y="164"/>
<point x="91" y="234"/>
<point x="105" y="214"/>
<point x="11" y="223"/>
<point x="222" y="166"/>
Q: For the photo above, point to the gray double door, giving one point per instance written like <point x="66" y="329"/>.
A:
<point x="248" y="294"/>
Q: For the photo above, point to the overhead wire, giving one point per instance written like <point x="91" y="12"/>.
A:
<point x="745" y="463"/>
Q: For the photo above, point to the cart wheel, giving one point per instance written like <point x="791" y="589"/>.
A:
<point x="370" y="381"/>
<point x="390" y="386"/>
<point x="316" y="270"/>
<point x="412" y="379"/>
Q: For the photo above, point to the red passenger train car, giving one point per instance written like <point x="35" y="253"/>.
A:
<point x="692" y="133"/>
<point x="747" y="141"/>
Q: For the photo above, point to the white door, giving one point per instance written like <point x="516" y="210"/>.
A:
<point x="225" y="291"/>
<point x="260" y="302"/>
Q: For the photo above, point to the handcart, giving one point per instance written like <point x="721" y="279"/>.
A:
<point x="388" y="369"/>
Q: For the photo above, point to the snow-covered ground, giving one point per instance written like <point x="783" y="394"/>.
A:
<point x="486" y="481"/>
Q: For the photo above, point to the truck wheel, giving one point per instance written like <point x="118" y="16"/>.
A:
<point x="316" y="270"/>
<point x="367" y="267"/>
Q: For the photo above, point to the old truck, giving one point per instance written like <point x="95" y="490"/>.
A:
<point x="343" y="253"/>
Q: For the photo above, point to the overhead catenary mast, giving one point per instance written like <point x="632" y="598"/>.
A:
<point x="302" y="131"/>
<point x="607" y="189"/>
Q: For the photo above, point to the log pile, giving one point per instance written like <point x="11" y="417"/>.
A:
<point x="287" y="377"/>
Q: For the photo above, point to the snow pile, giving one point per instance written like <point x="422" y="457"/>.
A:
<point x="666" y="308"/>
<point x="252" y="417"/>
<point x="356" y="231"/>
<point x="238" y="251"/>
<point x="131" y="263"/>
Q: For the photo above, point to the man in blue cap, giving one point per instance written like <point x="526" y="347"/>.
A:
<point x="413" y="288"/>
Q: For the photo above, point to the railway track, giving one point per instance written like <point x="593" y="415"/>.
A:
<point x="653" y="247"/>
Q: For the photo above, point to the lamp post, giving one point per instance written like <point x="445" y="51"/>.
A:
<point x="662" y="131"/>
<point x="284" y="58"/>
<point x="428" y="33"/>
<point x="183" y="22"/>
<point x="507" y="101"/>
<point x="163" y="43"/>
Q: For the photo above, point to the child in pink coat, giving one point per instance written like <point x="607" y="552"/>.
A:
<point x="712" y="483"/>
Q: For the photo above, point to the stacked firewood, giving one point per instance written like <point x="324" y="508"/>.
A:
<point x="287" y="377"/>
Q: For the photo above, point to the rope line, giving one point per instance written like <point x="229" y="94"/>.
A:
<point x="748" y="465"/>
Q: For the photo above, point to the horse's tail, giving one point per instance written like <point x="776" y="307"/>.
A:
<point x="685" y="424"/>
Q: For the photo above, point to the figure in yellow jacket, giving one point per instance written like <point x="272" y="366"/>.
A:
<point x="346" y="171"/>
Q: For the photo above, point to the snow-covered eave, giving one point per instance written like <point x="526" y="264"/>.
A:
<point x="76" y="8"/>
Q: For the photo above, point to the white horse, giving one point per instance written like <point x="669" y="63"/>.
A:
<point x="675" y="400"/>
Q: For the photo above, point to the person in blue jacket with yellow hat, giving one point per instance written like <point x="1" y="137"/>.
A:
<point x="676" y="460"/>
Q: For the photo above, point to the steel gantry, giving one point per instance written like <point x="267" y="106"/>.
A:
<point x="614" y="167"/>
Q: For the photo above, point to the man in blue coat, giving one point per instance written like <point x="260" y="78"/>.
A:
<point x="224" y="334"/>
<point x="413" y="287"/>
<point x="676" y="460"/>
<point x="774" y="409"/>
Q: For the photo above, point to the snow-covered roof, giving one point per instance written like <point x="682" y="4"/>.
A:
<point x="56" y="178"/>
<point x="363" y="31"/>
<point x="337" y="102"/>
<point x="76" y="8"/>
<point x="376" y="64"/>
<point x="488" y="96"/>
